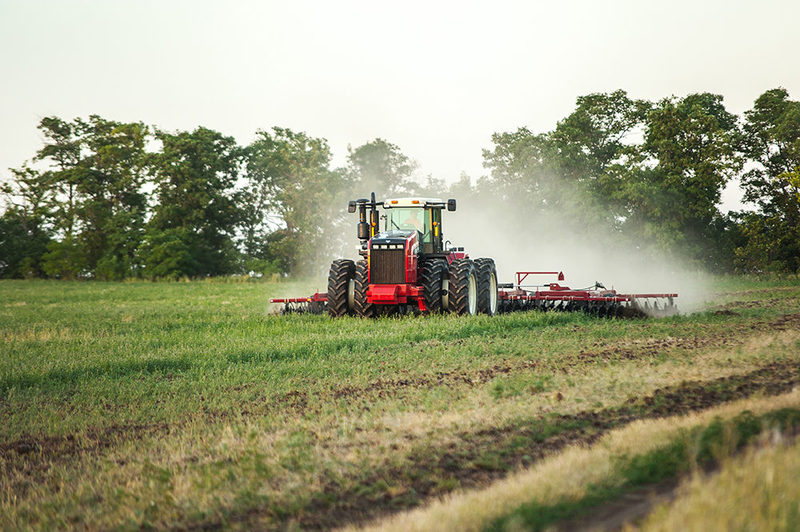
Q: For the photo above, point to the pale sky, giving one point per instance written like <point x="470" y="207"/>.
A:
<point x="435" y="78"/>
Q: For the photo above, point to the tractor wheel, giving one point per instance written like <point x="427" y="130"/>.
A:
<point x="340" y="279"/>
<point x="463" y="297"/>
<point x="362" y="308"/>
<point x="487" y="286"/>
<point x="432" y="279"/>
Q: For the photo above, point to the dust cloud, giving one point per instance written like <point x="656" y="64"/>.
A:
<point x="522" y="239"/>
<point x="529" y="238"/>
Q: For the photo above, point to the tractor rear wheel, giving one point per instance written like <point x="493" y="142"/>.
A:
<point x="487" y="286"/>
<point x="361" y="285"/>
<point x="340" y="280"/>
<point x="463" y="297"/>
<point x="432" y="279"/>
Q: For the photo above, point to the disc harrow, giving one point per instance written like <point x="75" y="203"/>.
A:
<point x="596" y="300"/>
<point x="315" y="304"/>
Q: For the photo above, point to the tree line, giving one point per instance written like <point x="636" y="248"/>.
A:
<point x="112" y="200"/>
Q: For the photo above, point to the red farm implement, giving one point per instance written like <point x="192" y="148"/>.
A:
<point x="597" y="299"/>
<point x="408" y="267"/>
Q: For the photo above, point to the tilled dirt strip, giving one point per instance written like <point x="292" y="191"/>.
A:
<point x="634" y="351"/>
<point x="35" y="456"/>
<point x="487" y="455"/>
<point x="627" y="509"/>
<point x="91" y="441"/>
<point x="96" y="440"/>
<point x="757" y="303"/>
<point x="480" y="457"/>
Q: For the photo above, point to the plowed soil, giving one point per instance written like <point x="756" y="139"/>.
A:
<point x="521" y="445"/>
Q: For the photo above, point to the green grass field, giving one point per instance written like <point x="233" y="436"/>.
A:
<point x="193" y="405"/>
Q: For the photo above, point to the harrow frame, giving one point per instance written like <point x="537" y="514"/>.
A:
<point x="512" y="297"/>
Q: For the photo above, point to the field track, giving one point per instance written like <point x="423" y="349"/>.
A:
<point x="189" y="405"/>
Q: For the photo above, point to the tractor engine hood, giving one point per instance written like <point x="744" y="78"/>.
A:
<point x="393" y="259"/>
<point x="391" y="237"/>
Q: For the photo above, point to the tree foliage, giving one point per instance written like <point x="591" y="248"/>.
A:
<point x="772" y="143"/>
<point x="290" y="177"/>
<point x="111" y="200"/>
<point x="24" y="228"/>
<point x="379" y="166"/>
<point x="690" y="153"/>
<point x="197" y="211"/>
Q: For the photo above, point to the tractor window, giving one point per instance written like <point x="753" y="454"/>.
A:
<point x="407" y="219"/>
<point x="434" y="217"/>
<point x="432" y="238"/>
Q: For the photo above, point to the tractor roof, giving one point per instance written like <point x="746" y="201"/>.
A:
<point x="414" y="202"/>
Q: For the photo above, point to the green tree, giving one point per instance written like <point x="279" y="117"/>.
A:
<point x="529" y="173"/>
<point x="772" y="145"/>
<point x="298" y="196"/>
<point x="65" y="259"/>
<point x="381" y="167"/>
<point x="597" y="134"/>
<point x="576" y="164"/>
<point x="194" y="223"/>
<point x="110" y="178"/>
<point x="62" y="150"/>
<point x="24" y="225"/>
<point x="690" y="152"/>
<point x="597" y="146"/>
<point x="522" y="165"/>
<point x="168" y="254"/>
<point x="96" y="168"/>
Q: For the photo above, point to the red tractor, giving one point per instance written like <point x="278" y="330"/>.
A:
<point x="408" y="266"/>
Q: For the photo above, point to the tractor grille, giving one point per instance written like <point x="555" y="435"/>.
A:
<point x="387" y="266"/>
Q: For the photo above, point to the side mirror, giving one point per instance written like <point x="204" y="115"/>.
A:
<point x="351" y="206"/>
<point x="451" y="205"/>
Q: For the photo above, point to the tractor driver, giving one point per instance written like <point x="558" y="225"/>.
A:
<point x="414" y="220"/>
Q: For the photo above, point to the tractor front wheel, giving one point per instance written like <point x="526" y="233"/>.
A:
<point x="340" y="285"/>
<point x="463" y="297"/>
<point x="361" y="285"/>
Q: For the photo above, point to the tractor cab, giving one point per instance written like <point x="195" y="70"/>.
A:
<point x="423" y="215"/>
<point x="402" y="218"/>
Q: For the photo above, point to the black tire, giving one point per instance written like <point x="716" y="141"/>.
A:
<point x="432" y="275"/>
<point x="487" y="283"/>
<point x="360" y="305"/>
<point x="339" y="277"/>
<point x="463" y="297"/>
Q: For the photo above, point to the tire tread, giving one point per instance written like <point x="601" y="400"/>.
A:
<point x="339" y="276"/>
<point x="460" y="271"/>
<point x="432" y="274"/>
<point x="362" y="307"/>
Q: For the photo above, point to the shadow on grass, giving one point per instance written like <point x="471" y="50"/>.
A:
<point x="66" y="378"/>
<point x="402" y="331"/>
